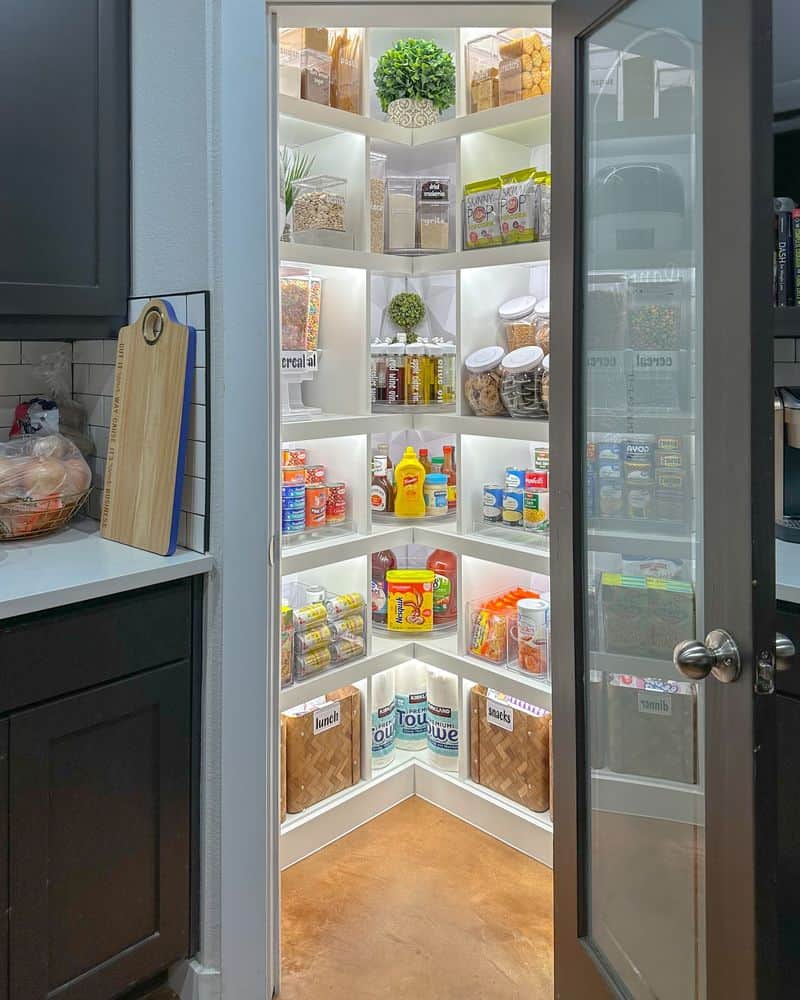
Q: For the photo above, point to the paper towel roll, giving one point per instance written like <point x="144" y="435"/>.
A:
<point x="384" y="711"/>
<point x="442" y="713"/>
<point x="411" y="685"/>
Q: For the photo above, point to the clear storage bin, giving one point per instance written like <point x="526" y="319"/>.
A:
<point x="329" y="628"/>
<point x="377" y="201"/>
<point x="433" y="214"/>
<point x="289" y="72"/>
<point x="319" y="204"/>
<point x="524" y="64"/>
<point x="483" y="71"/>
<point x="494" y="635"/>
<point x="401" y="208"/>
<point x="518" y="321"/>
<point x="606" y="303"/>
<point x="346" y="52"/>
<point x="521" y="383"/>
<point x="315" y="76"/>
<point x="541" y="315"/>
<point x="301" y="300"/>
<point x="482" y="380"/>
<point x="545" y="200"/>
<point x="656" y="313"/>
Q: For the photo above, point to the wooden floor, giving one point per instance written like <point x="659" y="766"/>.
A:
<point x="414" y="904"/>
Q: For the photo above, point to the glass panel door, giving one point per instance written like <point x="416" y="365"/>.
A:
<point x="641" y="333"/>
<point x="661" y="498"/>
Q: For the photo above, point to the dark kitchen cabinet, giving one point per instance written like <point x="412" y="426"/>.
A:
<point x="64" y="173"/>
<point x="99" y="793"/>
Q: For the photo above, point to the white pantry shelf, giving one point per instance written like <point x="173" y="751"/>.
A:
<point x="517" y="553"/>
<point x="338" y="548"/>
<point x="495" y="427"/>
<point x="523" y="122"/>
<point x="336" y="425"/>
<point x="397" y="264"/>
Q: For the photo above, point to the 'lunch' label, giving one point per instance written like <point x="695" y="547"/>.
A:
<point x="327" y="718"/>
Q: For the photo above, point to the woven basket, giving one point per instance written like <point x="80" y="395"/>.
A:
<point x="322" y="764"/>
<point x="513" y="763"/>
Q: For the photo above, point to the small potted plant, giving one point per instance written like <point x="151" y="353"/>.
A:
<point x="415" y="81"/>
<point x="407" y="310"/>
<point x="294" y="167"/>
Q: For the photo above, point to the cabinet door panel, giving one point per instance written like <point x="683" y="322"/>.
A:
<point x="99" y="833"/>
<point x="4" y="860"/>
<point x="64" y="215"/>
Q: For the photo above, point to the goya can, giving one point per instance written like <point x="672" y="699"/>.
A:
<point x="492" y="503"/>
<point x="410" y="600"/>
<point x="336" y="508"/>
<point x="316" y="506"/>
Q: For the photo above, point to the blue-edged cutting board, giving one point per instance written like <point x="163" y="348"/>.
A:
<point x="149" y="429"/>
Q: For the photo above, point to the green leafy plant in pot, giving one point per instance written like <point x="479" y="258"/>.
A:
<point x="294" y="167"/>
<point x="415" y="81"/>
<point x="407" y="310"/>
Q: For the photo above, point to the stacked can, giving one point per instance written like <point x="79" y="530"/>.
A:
<point x="293" y="508"/>
<point x="536" y="500"/>
<point x="638" y="469"/>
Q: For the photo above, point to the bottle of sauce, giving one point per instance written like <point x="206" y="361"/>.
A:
<point x="382" y="562"/>
<point x="425" y="460"/>
<point x="449" y="469"/>
<point x="445" y="596"/>
<point x="381" y="494"/>
<point x="409" y="479"/>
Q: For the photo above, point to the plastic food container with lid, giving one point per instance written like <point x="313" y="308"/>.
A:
<point x="521" y="383"/>
<point x="517" y="317"/>
<point x="482" y="382"/>
<point x="541" y="315"/>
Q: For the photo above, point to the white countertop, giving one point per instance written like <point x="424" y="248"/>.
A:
<point x="77" y="565"/>
<point x="787" y="571"/>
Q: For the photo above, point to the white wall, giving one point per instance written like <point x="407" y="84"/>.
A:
<point x="169" y="146"/>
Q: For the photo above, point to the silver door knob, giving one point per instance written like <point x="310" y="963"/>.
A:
<point x="718" y="655"/>
<point x="784" y="651"/>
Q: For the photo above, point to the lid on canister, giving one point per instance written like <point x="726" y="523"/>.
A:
<point x="435" y="479"/>
<point x="524" y="359"/>
<point x="542" y="307"/>
<point x="448" y="348"/>
<point x="517" y="308"/>
<point x="434" y="350"/>
<point x="531" y="604"/>
<point x="416" y="350"/>
<point x="485" y="359"/>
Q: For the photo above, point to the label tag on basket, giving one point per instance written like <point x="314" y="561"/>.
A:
<point x="499" y="715"/>
<point x="327" y="718"/>
<point x="655" y="703"/>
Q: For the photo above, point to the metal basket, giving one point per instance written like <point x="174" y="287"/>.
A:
<point x="31" y="518"/>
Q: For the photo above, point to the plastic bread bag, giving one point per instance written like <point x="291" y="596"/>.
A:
<point x="42" y="467"/>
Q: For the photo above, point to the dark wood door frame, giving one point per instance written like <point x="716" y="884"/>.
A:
<point x="737" y="188"/>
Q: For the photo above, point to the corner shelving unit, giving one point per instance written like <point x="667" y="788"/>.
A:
<point x="485" y="143"/>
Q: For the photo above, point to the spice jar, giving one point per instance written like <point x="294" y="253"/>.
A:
<point x="521" y="386"/>
<point x="395" y="374"/>
<point x="482" y="382"/>
<point x="541" y="316"/>
<point x="418" y="375"/>
<point x="517" y="318"/>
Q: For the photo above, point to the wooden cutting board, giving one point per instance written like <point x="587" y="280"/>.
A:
<point x="149" y="428"/>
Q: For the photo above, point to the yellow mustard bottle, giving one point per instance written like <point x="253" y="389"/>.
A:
<point x="409" y="480"/>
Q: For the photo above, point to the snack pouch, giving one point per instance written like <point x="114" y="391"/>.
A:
<point x="518" y="214"/>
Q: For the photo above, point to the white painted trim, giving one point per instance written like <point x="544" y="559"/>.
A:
<point x="193" y="981"/>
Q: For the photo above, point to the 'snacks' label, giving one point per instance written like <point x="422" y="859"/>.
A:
<point x="499" y="715"/>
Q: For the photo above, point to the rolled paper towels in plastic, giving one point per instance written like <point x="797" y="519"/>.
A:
<point x="384" y="711"/>
<point x="411" y="696"/>
<point x="442" y="711"/>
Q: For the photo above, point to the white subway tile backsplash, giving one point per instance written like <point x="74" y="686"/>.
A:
<point x="194" y="495"/>
<point x="34" y="351"/>
<point x="101" y="380"/>
<point x="196" y="310"/>
<point x="87" y="352"/>
<point x="196" y="459"/>
<point x="197" y="423"/>
<point x="8" y="405"/>
<point x="10" y="352"/>
<point x="80" y="379"/>
<point x="93" y="406"/>
<point x="135" y="306"/>
<point x="100" y="437"/>
<point x="196" y="532"/>
<point x="109" y="352"/>
<point x="200" y="351"/>
<point x="178" y="303"/>
<point x="21" y="380"/>
<point x="183" y="530"/>
<point x="199" y="393"/>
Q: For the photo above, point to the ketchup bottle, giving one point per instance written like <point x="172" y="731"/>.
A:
<point x="382" y="562"/>
<point x="445" y="597"/>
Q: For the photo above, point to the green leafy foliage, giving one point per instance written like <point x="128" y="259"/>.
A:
<point x="407" y="310"/>
<point x="417" y="69"/>
<point x="296" y="167"/>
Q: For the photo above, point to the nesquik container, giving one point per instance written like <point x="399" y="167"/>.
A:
<point x="410" y="600"/>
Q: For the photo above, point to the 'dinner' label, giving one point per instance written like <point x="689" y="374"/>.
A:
<point x="655" y="703"/>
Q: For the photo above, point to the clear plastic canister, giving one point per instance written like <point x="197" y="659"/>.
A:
<point x="418" y="375"/>
<point x="482" y="380"/>
<point x="541" y="316"/>
<point x="521" y="385"/>
<point x="517" y="320"/>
